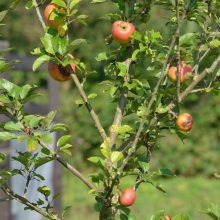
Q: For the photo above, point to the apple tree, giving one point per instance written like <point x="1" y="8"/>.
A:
<point x="148" y="75"/>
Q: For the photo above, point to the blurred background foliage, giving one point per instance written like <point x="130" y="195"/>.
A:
<point x="198" y="155"/>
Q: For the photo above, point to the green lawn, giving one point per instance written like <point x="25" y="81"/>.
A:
<point x="184" y="195"/>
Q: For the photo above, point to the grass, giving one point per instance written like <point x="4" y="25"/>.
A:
<point x="184" y="195"/>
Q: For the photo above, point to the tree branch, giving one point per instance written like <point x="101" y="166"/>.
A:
<point x="71" y="168"/>
<point x="199" y="78"/>
<point x="30" y="205"/>
<point x="88" y="106"/>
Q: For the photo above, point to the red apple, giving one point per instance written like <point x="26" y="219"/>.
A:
<point x="59" y="72"/>
<point x="185" y="71"/>
<point x="122" y="31"/>
<point x="47" y="15"/>
<point x="184" y="122"/>
<point x="127" y="197"/>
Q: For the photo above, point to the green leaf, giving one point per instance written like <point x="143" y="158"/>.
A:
<point x="143" y="163"/>
<point x="142" y="111"/>
<point x="116" y="156"/>
<point x="63" y="140"/>
<point x="48" y="44"/>
<point x="66" y="151"/>
<point x="5" y="136"/>
<point x="134" y="54"/>
<point x="46" y="138"/>
<point x="12" y="89"/>
<point x="79" y="102"/>
<point x="213" y="211"/>
<point x="32" y="143"/>
<point x="45" y="190"/>
<point x="92" y="96"/>
<point x="59" y="127"/>
<point x="29" y="4"/>
<point x="46" y="151"/>
<point x="161" y="109"/>
<point x="165" y="172"/>
<point x="105" y="149"/>
<point x="188" y="39"/>
<point x="39" y="161"/>
<point x="181" y="217"/>
<point x="46" y="122"/>
<point x="66" y="210"/>
<point x="39" y="61"/>
<point x="4" y="99"/>
<point x="82" y="19"/>
<point x="32" y="120"/>
<point x="40" y="177"/>
<point x="2" y="157"/>
<point x="61" y="3"/>
<point x="65" y="147"/>
<point x="12" y="126"/>
<point x="121" y="130"/>
<point x="3" y="14"/>
<point x="101" y="56"/>
<point x="94" y="159"/>
<point x="214" y="43"/>
<point x="123" y="68"/>
<point x="40" y="202"/>
<point x="76" y="44"/>
<point x="24" y="91"/>
<point x="158" y="216"/>
<point x="113" y="91"/>
<point x="73" y="3"/>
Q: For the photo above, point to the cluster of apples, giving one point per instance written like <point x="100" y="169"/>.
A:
<point x="184" y="69"/>
<point x="121" y="32"/>
<point x="57" y="71"/>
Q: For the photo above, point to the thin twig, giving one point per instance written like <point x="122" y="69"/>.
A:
<point x="196" y="67"/>
<point x="26" y="202"/>
<point x="70" y="167"/>
<point x="89" y="107"/>
<point x="39" y="14"/>
<point x="75" y="172"/>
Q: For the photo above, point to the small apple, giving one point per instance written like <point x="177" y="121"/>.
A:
<point x="122" y="31"/>
<point x="55" y="23"/>
<point x="59" y="72"/>
<point x="185" y="71"/>
<point x="127" y="197"/>
<point x="167" y="217"/>
<point x="184" y="122"/>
